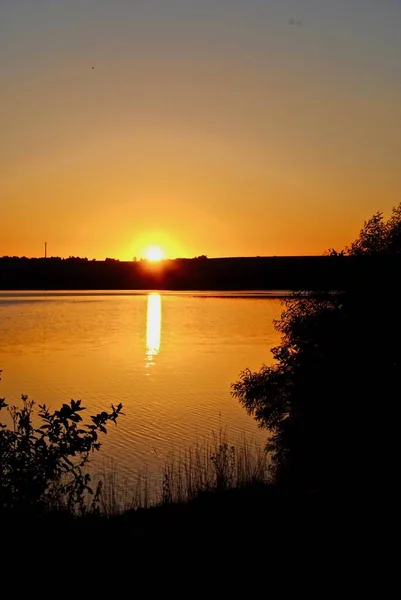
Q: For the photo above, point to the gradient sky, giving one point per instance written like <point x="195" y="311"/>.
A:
<point x="218" y="127"/>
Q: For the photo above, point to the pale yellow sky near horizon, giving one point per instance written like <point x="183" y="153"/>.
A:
<point x="210" y="127"/>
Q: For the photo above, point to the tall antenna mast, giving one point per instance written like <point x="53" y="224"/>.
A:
<point x="45" y="249"/>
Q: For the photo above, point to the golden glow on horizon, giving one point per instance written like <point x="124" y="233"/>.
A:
<point x="154" y="253"/>
<point x="153" y="327"/>
<point x="276" y="151"/>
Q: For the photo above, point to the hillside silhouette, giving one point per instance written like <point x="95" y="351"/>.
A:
<point x="262" y="273"/>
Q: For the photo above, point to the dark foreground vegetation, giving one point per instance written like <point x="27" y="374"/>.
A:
<point x="327" y="403"/>
<point x="329" y="398"/>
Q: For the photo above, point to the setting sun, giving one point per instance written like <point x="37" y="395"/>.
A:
<point x="154" y="253"/>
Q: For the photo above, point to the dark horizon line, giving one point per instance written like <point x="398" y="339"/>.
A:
<point x="144" y="259"/>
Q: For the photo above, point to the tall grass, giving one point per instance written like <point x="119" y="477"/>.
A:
<point x="118" y="495"/>
<point x="212" y="465"/>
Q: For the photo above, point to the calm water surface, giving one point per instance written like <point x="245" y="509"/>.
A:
<point x="169" y="358"/>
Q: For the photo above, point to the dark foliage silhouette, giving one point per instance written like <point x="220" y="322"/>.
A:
<point x="328" y="398"/>
<point x="42" y="468"/>
<point x="199" y="273"/>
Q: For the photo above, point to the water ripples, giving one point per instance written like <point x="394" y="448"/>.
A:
<point x="169" y="358"/>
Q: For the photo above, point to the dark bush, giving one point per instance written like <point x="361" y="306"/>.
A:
<point x="328" y="399"/>
<point x="42" y="468"/>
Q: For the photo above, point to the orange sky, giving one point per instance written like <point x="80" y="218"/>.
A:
<point x="216" y="128"/>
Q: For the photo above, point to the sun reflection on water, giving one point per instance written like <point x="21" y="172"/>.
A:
<point x="153" y="327"/>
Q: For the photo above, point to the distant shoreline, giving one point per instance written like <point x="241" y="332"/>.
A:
<point x="264" y="274"/>
<point x="202" y="294"/>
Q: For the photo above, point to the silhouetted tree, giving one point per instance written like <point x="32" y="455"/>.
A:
<point x="328" y="399"/>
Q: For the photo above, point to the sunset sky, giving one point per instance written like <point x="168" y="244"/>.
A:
<point x="218" y="127"/>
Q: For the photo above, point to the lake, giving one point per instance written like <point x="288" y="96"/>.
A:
<point x="169" y="357"/>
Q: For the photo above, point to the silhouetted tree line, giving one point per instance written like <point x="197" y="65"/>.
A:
<point x="334" y="272"/>
<point x="329" y="399"/>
